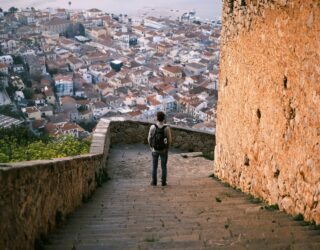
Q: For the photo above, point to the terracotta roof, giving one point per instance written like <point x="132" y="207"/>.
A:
<point x="63" y="78"/>
<point x="102" y="85"/>
<point x="152" y="100"/>
<point x="49" y="92"/>
<point x="172" y="69"/>
<point x="45" y="82"/>
<point x="67" y="99"/>
<point x="134" y="113"/>
<point x="55" y="129"/>
<point x="98" y="105"/>
<point x="142" y="107"/>
<point x="83" y="102"/>
<point x="85" y="112"/>
<point x="68" y="126"/>
<point x="31" y="110"/>
<point x="140" y="28"/>
<point x="196" y="65"/>
<point x="38" y="96"/>
<point x="111" y="74"/>
<point x="51" y="129"/>
<point x="57" y="21"/>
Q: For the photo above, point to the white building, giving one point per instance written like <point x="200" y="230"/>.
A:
<point x="99" y="109"/>
<point x="168" y="103"/>
<point x="64" y="85"/>
<point x="154" y="23"/>
<point x="9" y="44"/>
<point x="196" y="68"/>
<point x="140" y="77"/>
<point x="8" y="60"/>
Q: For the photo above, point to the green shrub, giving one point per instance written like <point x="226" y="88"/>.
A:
<point x="17" y="144"/>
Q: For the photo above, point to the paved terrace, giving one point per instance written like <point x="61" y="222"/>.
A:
<point x="192" y="212"/>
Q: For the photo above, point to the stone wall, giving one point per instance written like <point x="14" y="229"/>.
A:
<point x="130" y="131"/>
<point x="37" y="196"/>
<point x="268" y="126"/>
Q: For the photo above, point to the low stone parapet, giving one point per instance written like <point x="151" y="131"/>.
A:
<point x="131" y="131"/>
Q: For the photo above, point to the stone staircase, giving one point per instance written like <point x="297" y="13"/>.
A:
<point x="192" y="212"/>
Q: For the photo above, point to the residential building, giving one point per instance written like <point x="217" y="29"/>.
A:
<point x="4" y="68"/>
<point x="7" y="60"/>
<point x="49" y="94"/>
<point x="57" y="25"/>
<point x="64" y="85"/>
<point x="99" y="109"/>
<point x="32" y="113"/>
<point x="172" y="71"/>
<point x="196" y="68"/>
<point x="153" y="22"/>
<point x="7" y="121"/>
<point x="46" y="111"/>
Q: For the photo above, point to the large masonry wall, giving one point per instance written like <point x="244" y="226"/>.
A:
<point x="268" y="126"/>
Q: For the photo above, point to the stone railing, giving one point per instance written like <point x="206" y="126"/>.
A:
<point x="129" y="131"/>
<point x="36" y="196"/>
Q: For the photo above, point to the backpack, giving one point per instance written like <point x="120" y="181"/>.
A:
<point x="159" y="140"/>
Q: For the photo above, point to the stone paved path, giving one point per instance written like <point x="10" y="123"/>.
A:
<point x="192" y="212"/>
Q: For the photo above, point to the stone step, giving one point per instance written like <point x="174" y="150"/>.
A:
<point x="206" y="233"/>
<point x="180" y="245"/>
<point x="127" y="213"/>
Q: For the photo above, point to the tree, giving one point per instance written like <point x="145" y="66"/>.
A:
<point x="80" y="29"/>
<point x="36" y="77"/>
<point x="18" y="60"/>
<point x="9" y="110"/>
<point x="52" y="72"/>
<point x="70" y="31"/>
<point x="88" y="125"/>
<point x="28" y="93"/>
<point x="4" y="158"/>
<point x="82" y="108"/>
<point x="13" y="9"/>
<point x="75" y="30"/>
<point x="25" y="77"/>
<point x="11" y="90"/>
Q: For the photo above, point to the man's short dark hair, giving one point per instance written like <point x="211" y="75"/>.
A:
<point x="161" y="116"/>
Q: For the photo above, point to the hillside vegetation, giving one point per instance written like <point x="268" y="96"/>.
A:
<point x="19" y="144"/>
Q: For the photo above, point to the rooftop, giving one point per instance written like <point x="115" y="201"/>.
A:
<point x="7" y="121"/>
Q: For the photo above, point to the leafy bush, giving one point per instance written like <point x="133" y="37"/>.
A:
<point x="10" y="110"/>
<point x="18" y="144"/>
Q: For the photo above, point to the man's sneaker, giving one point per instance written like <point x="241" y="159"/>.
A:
<point x="164" y="184"/>
<point x="153" y="184"/>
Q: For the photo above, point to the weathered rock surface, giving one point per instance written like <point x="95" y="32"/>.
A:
<point x="268" y="126"/>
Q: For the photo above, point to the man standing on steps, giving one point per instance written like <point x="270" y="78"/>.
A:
<point x="159" y="139"/>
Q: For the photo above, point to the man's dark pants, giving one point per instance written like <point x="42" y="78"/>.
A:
<point x="163" y="158"/>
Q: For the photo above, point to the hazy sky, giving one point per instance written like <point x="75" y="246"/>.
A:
<point x="205" y="8"/>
